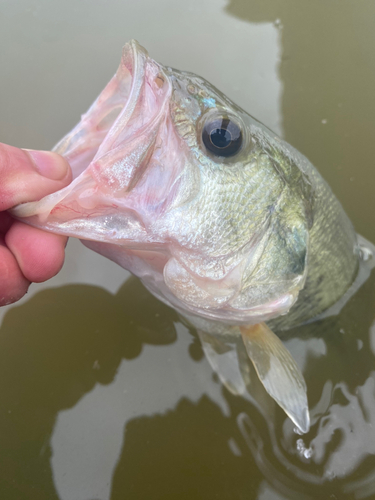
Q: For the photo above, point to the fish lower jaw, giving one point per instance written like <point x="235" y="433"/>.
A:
<point x="237" y="317"/>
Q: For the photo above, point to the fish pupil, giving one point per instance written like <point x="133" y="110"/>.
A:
<point x="222" y="137"/>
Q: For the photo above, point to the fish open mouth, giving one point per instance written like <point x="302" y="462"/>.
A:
<point x="130" y="171"/>
<point x="109" y="152"/>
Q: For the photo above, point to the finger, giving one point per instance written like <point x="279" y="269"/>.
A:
<point x="40" y="255"/>
<point x="30" y="175"/>
<point x="13" y="284"/>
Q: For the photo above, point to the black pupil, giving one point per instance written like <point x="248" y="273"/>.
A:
<point x="222" y="136"/>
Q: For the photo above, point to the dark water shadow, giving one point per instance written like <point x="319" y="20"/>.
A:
<point x="195" y="451"/>
<point x="345" y="372"/>
<point x="192" y="451"/>
<point x="54" y="349"/>
<point x="327" y="70"/>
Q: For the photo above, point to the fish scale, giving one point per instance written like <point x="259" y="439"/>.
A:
<point x="218" y="198"/>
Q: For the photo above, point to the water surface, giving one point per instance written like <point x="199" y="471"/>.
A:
<point x="105" y="394"/>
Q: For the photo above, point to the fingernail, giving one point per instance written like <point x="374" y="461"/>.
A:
<point x="48" y="164"/>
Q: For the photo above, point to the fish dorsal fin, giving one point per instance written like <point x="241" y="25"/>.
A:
<point x="278" y="372"/>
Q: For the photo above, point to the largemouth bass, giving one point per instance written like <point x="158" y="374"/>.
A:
<point x="220" y="218"/>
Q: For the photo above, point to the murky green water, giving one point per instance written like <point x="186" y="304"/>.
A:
<point x="104" y="394"/>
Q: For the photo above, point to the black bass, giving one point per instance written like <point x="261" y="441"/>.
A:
<point x="220" y="218"/>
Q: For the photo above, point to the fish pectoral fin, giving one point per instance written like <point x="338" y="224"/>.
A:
<point x="278" y="372"/>
<point x="223" y="358"/>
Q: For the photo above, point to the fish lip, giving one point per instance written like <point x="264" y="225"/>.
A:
<point x="276" y="307"/>
<point x="256" y="314"/>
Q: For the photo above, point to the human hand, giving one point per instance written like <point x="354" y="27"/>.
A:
<point x="26" y="253"/>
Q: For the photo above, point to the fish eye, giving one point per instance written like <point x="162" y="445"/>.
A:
<point x="222" y="136"/>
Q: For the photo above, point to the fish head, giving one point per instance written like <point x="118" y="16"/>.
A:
<point x="180" y="186"/>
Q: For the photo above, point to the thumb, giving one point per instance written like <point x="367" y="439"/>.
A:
<point x="27" y="175"/>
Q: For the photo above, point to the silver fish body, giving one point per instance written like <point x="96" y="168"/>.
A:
<point x="220" y="218"/>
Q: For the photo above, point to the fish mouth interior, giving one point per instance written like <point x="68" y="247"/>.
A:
<point x="130" y="77"/>
<point x="109" y="151"/>
<point x="88" y="140"/>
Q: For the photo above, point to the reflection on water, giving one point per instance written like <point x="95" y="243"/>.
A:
<point x="54" y="349"/>
<point x="337" y="456"/>
<point x="151" y="385"/>
<point x="93" y="363"/>
<point x="107" y="395"/>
